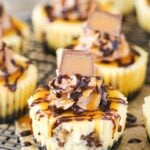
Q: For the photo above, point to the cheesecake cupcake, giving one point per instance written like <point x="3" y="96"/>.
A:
<point x="77" y="110"/>
<point x="18" y="77"/>
<point x="117" y="6"/>
<point x="13" y="31"/>
<point x="118" y="62"/>
<point x="146" y="114"/>
<point x="58" y="22"/>
<point x="143" y="13"/>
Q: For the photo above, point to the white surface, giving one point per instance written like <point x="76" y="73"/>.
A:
<point x="20" y="7"/>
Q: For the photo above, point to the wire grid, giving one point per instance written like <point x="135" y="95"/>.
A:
<point x="46" y="65"/>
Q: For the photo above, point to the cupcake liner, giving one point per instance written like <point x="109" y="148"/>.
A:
<point x="143" y="14"/>
<point x="13" y="103"/>
<point x="58" y="33"/>
<point x="62" y="33"/>
<point x="126" y="79"/>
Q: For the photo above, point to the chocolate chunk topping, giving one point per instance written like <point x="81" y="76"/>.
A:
<point x="75" y="95"/>
<point x="25" y="133"/>
<point x="134" y="141"/>
<point x="92" y="140"/>
<point x="26" y="144"/>
<point x="131" y="118"/>
<point x="77" y="110"/>
<point x="105" y="22"/>
<point x="77" y="62"/>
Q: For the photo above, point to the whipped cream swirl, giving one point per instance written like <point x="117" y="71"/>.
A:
<point x="76" y="92"/>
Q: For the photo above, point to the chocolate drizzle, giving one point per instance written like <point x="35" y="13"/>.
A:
<point x="11" y="70"/>
<point x="91" y="140"/>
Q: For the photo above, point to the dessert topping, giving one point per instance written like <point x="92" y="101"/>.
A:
<point x="105" y="22"/>
<point x="78" y="62"/>
<point x="103" y="38"/>
<point x="72" y="89"/>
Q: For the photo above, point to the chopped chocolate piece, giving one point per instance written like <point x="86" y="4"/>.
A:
<point x="131" y="118"/>
<point x="91" y="140"/>
<point x="77" y="62"/>
<point x="134" y="141"/>
<point x="105" y="22"/>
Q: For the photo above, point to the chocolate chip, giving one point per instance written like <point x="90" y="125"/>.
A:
<point x="91" y="140"/>
<point x="77" y="110"/>
<point x="25" y="133"/>
<point x="26" y="144"/>
<point x="131" y="118"/>
<point x="75" y="95"/>
<point x="134" y="141"/>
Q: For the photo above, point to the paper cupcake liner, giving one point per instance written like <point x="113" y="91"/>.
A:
<point x="12" y="103"/>
<point x="58" y="33"/>
<point x="126" y="79"/>
<point x="62" y="33"/>
<point x="143" y="14"/>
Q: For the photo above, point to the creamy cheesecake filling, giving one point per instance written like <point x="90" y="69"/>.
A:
<point x="110" y="111"/>
<point x="63" y="101"/>
<point x="11" y="70"/>
<point x="71" y="10"/>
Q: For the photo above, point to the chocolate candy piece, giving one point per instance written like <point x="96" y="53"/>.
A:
<point x="105" y="22"/>
<point x="77" y="62"/>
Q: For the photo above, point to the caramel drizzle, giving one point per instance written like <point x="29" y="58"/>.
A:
<point x="11" y="86"/>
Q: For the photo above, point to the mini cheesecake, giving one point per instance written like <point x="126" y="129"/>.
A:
<point x="143" y="14"/>
<point x="117" y="6"/>
<point x="146" y="114"/>
<point x="13" y="31"/>
<point x="18" y="77"/>
<point x="58" y="23"/>
<point x="117" y="61"/>
<point x="77" y="110"/>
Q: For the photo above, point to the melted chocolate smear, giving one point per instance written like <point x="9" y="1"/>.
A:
<point x="25" y="133"/>
<point x="56" y="111"/>
<point x="92" y="140"/>
<point x="134" y="141"/>
<point x="49" y="11"/>
<point x="26" y="144"/>
<point x="104" y="104"/>
<point x="75" y="95"/>
<point x="135" y="51"/>
<point x="77" y="110"/>
<point x="131" y="118"/>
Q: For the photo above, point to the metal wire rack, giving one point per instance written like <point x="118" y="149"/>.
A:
<point x="46" y="65"/>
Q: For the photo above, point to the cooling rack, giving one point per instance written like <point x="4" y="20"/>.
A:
<point x="46" y="64"/>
